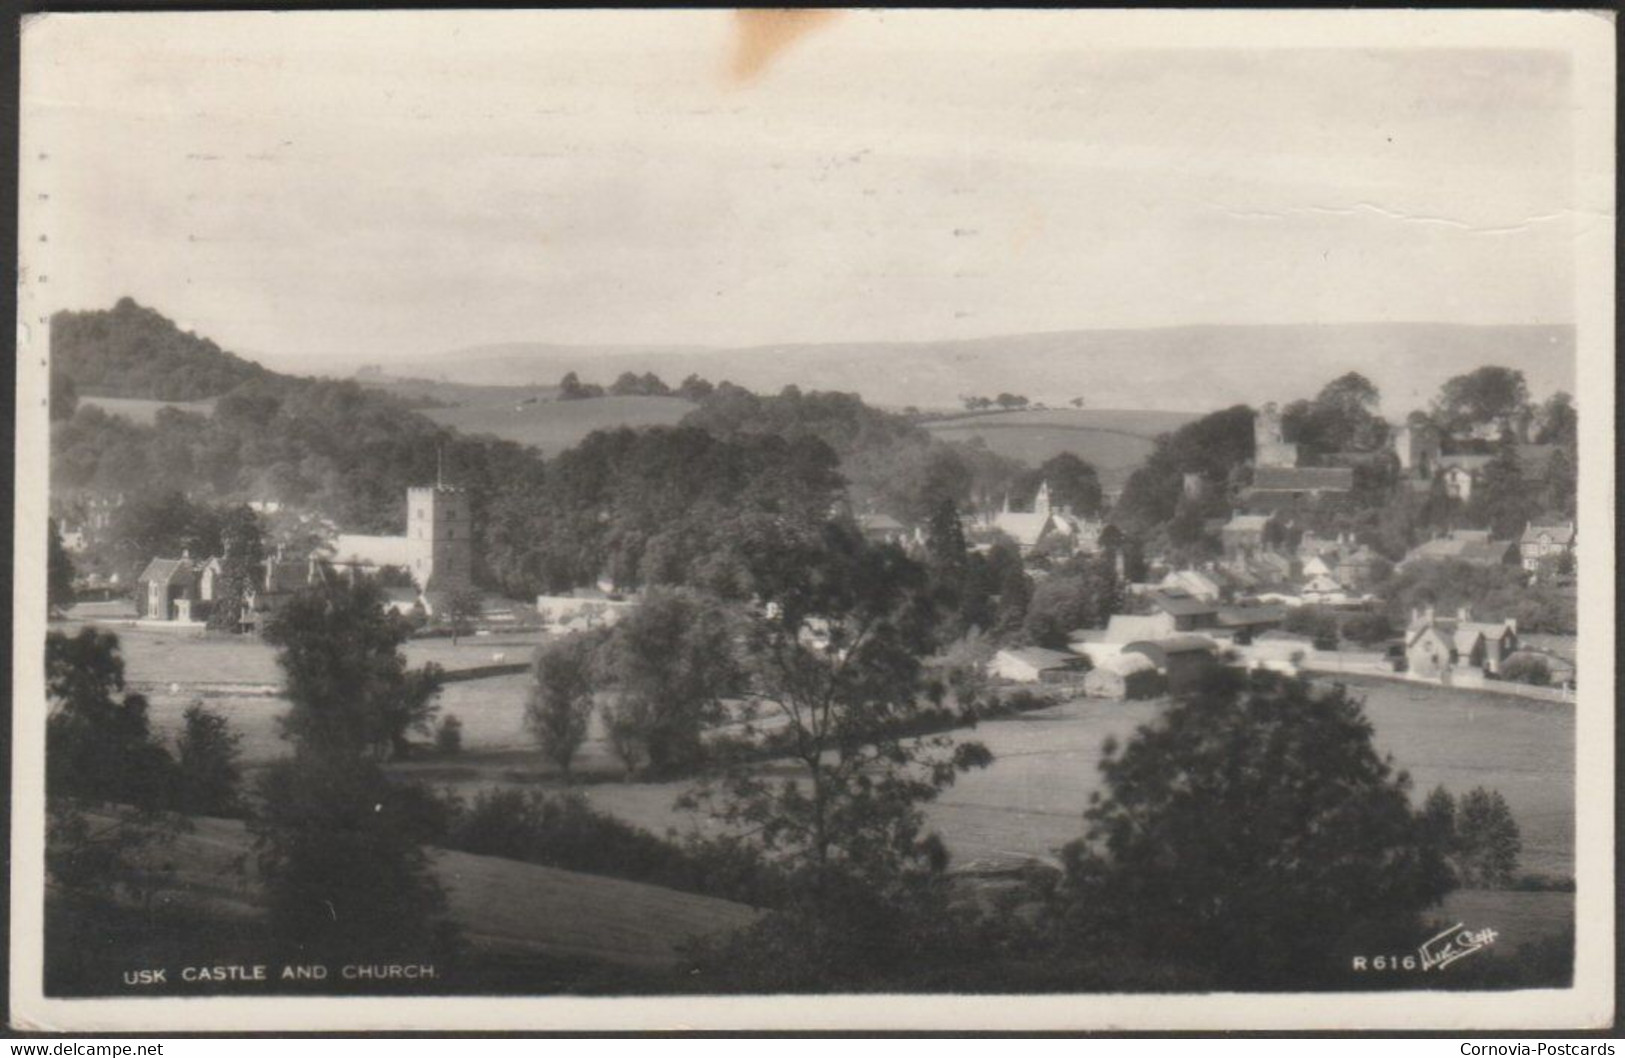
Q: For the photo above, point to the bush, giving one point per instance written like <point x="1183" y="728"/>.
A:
<point x="209" y="774"/>
<point x="448" y="737"/>
<point x="1368" y="629"/>
<point x="1528" y="668"/>
<point x="566" y="832"/>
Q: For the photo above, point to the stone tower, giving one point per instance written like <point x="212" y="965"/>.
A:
<point x="440" y="538"/>
<point x="1271" y="449"/>
<point x="1418" y="446"/>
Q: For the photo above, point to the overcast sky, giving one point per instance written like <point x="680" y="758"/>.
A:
<point x="382" y="184"/>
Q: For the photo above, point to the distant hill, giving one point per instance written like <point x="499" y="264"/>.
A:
<point x="131" y="351"/>
<point x="1169" y="369"/>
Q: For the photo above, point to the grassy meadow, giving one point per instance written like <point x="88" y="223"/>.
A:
<point x="145" y="411"/>
<point x="1114" y="441"/>
<point x="553" y="426"/>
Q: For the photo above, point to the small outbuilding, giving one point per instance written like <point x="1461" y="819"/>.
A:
<point x="1125" y="677"/>
<point x="1036" y="665"/>
<point x="1186" y="662"/>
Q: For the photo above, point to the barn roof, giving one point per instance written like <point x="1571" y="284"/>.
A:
<point x="1041" y="658"/>
<point x="1249" y="616"/>
<point x="1303" y="479"/>
<point x="1159" y="649"/>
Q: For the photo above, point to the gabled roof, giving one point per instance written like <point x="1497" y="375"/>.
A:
<point x="372" y="550"/>
<point x="1024" y="528"/>
<point x="1465" y="639"/>
<point x="1249" y="616"/>
<point x="1126" y="628"/>
<point x="163" y="570"/>
<point x="1179" y="644"/>
<point x="1559" y="534"/>
<point x="1041" y="658"/>
<point x="1182" y="605"/>
<point x="1416" y="632"/>
<point x="879" y="523"/>
<point x="1303" y="479"/>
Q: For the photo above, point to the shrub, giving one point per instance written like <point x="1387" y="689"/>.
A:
<point x="448" y="737"/>
<point x="1528" y="668"/>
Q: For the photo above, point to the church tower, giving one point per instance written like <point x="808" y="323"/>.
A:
<point x="440" y="538"/>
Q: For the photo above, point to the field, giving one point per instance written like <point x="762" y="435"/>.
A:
<point x="1031" y="801"/>
<point x="552" y="426"/>
<point x="1114" y="441"/>
<point x="145" y="411"/>
<point x="499" y="904"/>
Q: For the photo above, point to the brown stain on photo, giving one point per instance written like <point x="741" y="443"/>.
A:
<point x="761" y="35"/>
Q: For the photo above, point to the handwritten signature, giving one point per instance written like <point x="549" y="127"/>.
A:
<point x="1457" y="942"/>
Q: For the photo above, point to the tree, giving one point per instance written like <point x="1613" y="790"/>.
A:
<point x="1072" y="483"/>
<point x="1254" y="830"/>
<point x="1559" y="487"/>
<point x="242" y="543"/>
<point x="1083" y="595"/>
<point x="209" y="773"/>
<point x="695" y="388"/>
<point x="1489" y="395"/>
<point x="832" y="653"/>
<point x="463" y="607"/>
<point x="340" y="849"/>
<point x="99" y="745"/>
<point x="1487" y="840"/>
<point x="1502" y="499"/>
<point x="64" y="396"/>
<point x="110" y="786"/>
<point x="351" y="692"/>
<point x="58" y="572"/>
<point x="561" y="697"/>
<point x="1342" y="418"/>
<point x="1528" y="668"/>
<point x="339" y="843"/>
<point x="1557" y="423"/>
<point x="670" y="662"/>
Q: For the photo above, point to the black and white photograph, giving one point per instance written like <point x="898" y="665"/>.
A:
<point x="814" y="518"/>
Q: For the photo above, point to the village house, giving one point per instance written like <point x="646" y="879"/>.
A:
<point x="1245" y="535"/>
<point x="882" y="529"/>
<point x="1358" y="568"/>
<point x="1435" y="645"/>
<point x="169" y="589"/>
<point x="1541" y="542"/>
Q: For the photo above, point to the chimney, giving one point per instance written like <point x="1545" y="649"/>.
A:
<point x="1416" y="616"/>
<point x="1428" y="613"/>
<point x="1464" y="614"/>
